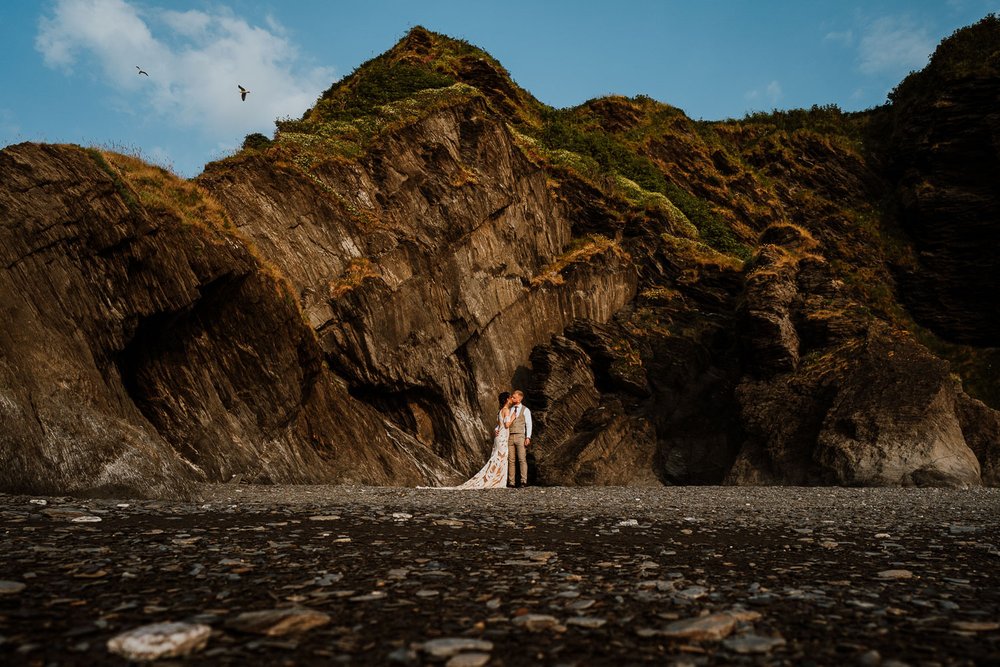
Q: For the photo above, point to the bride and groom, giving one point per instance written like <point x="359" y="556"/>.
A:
<point x="511" y="437"/>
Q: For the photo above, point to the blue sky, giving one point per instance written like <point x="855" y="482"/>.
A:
<point x="67" y="67"/>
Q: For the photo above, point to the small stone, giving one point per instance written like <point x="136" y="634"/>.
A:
<point x="63" y="514"/>
<point x="895" y="574"/>
<point x="744" y="615"/>
<point x="881" y="536"/>
<point x="401" y="516"/>
<point x="588" y="622"/>
<point x="692" y="593"/>
<point x="468" y="660"/>
<point x="447" y="647"/>
<point x="706" y="628"/>
<point x="39" y="501"/>
<point x="370" y="597"/>
<point x="975" y="626"/>
<point x="752" y="644"/>
<point x="160" y="640"/>
<point x="957" y="529"/>
<point x="536" y="622"/>
<point x="325" y="517"/>
<point x="11" y="587"/>
<point x="628" y="523"/>
<point x="86" y="518"/>
<point x="403" y="656"/>
<point x="278" y="622"/>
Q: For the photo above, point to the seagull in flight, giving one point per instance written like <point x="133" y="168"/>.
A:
<point x="243" y="92"/>
<point x="140" y="70"/>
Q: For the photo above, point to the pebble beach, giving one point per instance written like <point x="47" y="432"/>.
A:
<point x="310" y="575"/>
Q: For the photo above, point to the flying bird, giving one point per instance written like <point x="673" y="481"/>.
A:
<point x="140" y="70"/>
<point x="243" y="92"/>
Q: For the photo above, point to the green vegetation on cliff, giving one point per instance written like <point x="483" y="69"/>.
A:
<point x="973" y="51"/>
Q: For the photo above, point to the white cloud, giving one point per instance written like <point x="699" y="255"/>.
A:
<point x="194" y="59"/>
<point x="769" y="94"/>
<point x="893" y="46"/>
<point x="845" y="37"/>
<point x="190" y="24"/>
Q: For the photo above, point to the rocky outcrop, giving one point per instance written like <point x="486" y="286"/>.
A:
<point x="584" y="439"/>
<point x="944" y="156"/>
<point x="141" y="353"/>
<point x="850" y="401"/>
<point x="430" y="267"/>
<point x="981" y="430"/>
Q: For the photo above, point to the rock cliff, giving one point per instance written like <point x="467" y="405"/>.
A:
<point x="143" y="349"/>
<point x="943" y="148"/>
<point x="776" y="300"/>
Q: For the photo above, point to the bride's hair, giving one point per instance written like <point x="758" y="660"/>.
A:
<point x="504" y="395"/>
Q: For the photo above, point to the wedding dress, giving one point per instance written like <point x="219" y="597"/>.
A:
<point x="493" y="475"/>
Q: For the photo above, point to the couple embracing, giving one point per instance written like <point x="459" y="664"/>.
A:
<point x="511" y="437"/>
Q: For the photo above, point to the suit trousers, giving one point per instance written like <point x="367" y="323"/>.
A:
<point x="516" y="454"/>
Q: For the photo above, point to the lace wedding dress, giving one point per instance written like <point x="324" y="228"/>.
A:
<point x="493" y="475"/>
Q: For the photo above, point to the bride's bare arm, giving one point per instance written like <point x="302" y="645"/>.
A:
<point x="505" y="417"/>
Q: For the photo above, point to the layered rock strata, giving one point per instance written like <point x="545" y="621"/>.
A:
<point x="140" y="352"/>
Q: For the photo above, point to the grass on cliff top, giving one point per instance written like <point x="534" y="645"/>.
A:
<point x="316" y="139"/>
<point x="158" y="189"/>
<point x="826" y="119"/>
<point x="425" y="71"/>
<point x="972" y="51"/>
<point x="605" y="157"/>
<point x="382" y="82"/>
<point x="422" y="60"/>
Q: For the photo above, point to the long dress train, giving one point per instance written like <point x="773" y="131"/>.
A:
<point x="493" y="475"/>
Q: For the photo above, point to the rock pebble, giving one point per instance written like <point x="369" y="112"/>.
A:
<point x="752" y="643"/>
<point x="11" y="587"/>
<point x="706" y="628"/>
<point x="468" y="660"/>
<point x="447" y="647"/>
<point x="895" y="574"/>
<point x="278" y="622"/>
<point x="160" y="640"/>
<point x="536" y="622"/>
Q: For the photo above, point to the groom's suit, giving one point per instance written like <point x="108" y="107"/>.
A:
<point x="520" y="429"/>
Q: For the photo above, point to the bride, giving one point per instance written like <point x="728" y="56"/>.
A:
<point x="493" y="475"/>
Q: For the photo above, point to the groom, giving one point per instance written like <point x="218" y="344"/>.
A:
<point x="520" y="438"/>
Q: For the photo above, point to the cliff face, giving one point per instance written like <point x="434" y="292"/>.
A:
<point x="422" y="267"/>
<point x="944" y="157"/>
<point x="682" y="302"/>
<point x="142" y="352"/>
